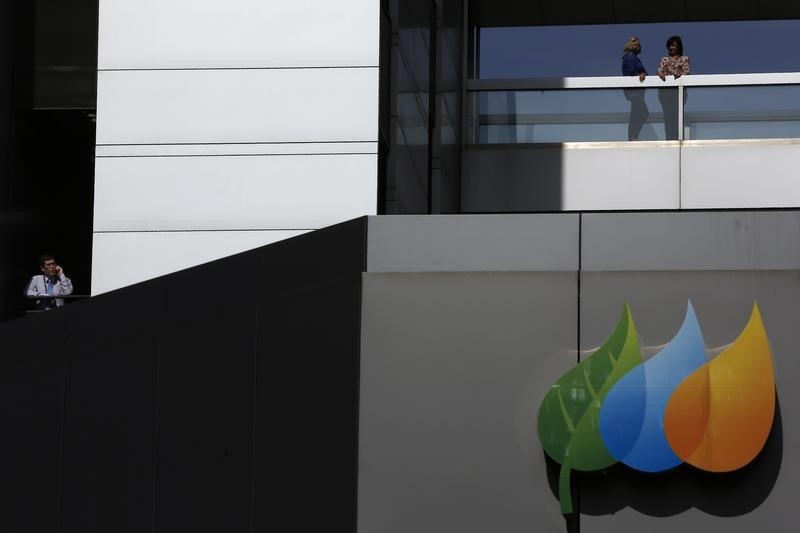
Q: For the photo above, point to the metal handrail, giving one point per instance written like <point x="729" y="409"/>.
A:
<point x="623" y="82"/>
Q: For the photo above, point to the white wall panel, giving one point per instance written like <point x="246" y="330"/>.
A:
<point x="621" y="178"/>
<point x="252" y="192"/>
<point x="230" y="106"/>
<point x="580" y="176"/>
<point x="146" y="34"/>
<point x="741" y="174"/>
<point x="121" y="259"/>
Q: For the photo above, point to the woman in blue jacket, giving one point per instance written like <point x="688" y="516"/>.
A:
<point x="632" y="66"/>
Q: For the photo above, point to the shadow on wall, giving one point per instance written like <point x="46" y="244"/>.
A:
<point x="680" y="489"/>
<point x="508" y="178"/>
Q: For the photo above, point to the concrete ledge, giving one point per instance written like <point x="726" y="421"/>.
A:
<point x="691" y="241"/>
<point x="531" y="242"/>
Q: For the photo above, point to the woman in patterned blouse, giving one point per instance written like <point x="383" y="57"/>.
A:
<point x="675" y="64"/>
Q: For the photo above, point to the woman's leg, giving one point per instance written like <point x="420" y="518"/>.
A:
<point x="639" y="113"/>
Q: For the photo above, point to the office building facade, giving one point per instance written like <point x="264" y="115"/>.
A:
<point x="301" y="128"/>
<point x="387" y="373"/>
<point x="315" y="114"/>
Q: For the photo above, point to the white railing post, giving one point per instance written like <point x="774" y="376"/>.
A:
<point x="680" y="108"/>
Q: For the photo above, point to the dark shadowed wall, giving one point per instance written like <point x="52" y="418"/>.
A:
<point x="220" y="398"/>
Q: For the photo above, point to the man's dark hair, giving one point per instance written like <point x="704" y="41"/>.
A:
<point x="46" y="257"/>
<point x="676" y="39"/>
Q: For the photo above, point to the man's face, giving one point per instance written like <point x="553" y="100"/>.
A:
<point x="50" y="267"/>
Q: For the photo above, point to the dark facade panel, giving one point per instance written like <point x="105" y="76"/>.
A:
<point x="307" y="381"/>
<point x="108" y="468"/>
<point x="778" y="9"/>
<point x="633" y="11"/>
<point x="321" y="256"/>
<point x="168" y="382"/>
<point x="36" y="339"/>
<point x="99" y="323"/>
<point x="6" y="145"/>
<point x="562" y="13"/>
<point x="732" y="9"/>
<point x="492" y="13"/>
<point x="205" y="420"/>
<point x="215" y="287"/>
<point x="31" y="405"/>
<point x="306" y="410"/>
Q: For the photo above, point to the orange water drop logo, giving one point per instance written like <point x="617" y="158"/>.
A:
<point x="719" y="418"/>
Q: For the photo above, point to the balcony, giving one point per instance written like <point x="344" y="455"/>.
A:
<point x="705" y="141"/>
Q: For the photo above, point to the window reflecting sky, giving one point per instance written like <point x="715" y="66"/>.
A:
<point x="596" y="50"/>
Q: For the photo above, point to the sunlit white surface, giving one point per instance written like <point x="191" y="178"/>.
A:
<point x="231" y="106"/>
<point x="740" y="174"/>
<point x="148" y="34"/>
<point x="217" y="115"/>
<point x="621" y="178"/>
<point x="122" y="259"/>
<point x="253" y="192"/>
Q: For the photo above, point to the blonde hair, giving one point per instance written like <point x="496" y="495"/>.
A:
<point x="630" y="45"/>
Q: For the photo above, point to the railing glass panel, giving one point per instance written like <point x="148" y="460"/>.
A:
<point x="748" y="112"/>
<point x="613" y="109"/>
<point x="566" y="115"/>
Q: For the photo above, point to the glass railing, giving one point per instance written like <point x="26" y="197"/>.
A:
<point x="705" y="107"/>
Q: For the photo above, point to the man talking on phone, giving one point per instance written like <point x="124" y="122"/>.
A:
<point x="51" y="282"/>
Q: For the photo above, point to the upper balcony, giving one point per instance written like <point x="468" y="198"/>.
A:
<point x="704" y="141"/>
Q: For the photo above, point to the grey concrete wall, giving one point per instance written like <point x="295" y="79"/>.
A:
<point x="467" y="321"/>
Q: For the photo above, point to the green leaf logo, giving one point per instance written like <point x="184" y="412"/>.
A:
<point x="569" y="427"/>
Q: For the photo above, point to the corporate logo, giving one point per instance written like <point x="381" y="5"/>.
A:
<point x="676" y="407"/>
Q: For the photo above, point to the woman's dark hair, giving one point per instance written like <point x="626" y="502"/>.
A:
<point x="676" y="39"/>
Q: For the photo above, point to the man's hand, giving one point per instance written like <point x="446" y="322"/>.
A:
<point x="59" y="271"/>
<point x="663" y="78"/>
<point x="642" y="76"/>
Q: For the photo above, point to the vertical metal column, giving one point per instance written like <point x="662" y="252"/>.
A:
<point x="432" y="86"/>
